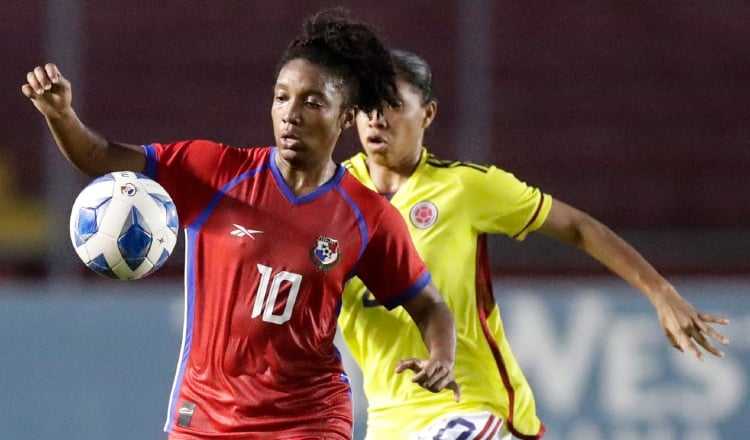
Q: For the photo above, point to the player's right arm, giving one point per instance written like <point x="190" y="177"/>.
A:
<point x="685" y="327"/>
<point x="52" y="95"/>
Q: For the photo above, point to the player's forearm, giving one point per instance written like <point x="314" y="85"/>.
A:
<point x="435" y="323"/>
<point x="80" y="145"/>
<point x="89" y="151"/>
<point x="439" y="332"/>
<point x="570" y="225"/>
<point x="623" y="259"/>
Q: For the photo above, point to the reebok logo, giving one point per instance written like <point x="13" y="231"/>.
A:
<point x="241" y="231"/>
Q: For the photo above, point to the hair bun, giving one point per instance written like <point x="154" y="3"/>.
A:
<point x="350" y="49"/>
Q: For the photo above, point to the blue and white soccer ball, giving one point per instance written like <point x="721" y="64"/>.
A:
<point x="123" y="225"/>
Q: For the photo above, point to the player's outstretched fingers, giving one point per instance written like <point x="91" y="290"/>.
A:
<point x="417" y="366"/>
<point x="673" y="340"/>
<point x="453" y="386"/>
<point x="707" y="317"/>
<point x="701" y="339"/>
<point x="412" y="364"/>
<point x="425" y="374"/>
<point x="686" y="340"/>
<point x="710" y="331"/>
<point x="696" y="351"/>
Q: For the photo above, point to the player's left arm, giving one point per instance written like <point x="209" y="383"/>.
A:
<point x="391" y="250"/>
<point x="435" y="322"/>
<point x="683" y="325"/>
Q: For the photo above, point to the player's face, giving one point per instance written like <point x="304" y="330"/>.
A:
<point x="394" y="137"/>
<point x="308" y="114"/>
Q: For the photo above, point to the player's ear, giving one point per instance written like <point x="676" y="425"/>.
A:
<point x="430" y="110"/>
<point x="349" y="117"/>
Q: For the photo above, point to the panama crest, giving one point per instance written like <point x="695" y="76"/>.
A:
<point x="325" y="253"/>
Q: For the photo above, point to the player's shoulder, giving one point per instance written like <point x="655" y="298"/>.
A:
<point x="211" y="145"/>
<point x="204" y="155"/>
<point x="360" y="193"/>
<point x="254" y="154"/>
<point x="356" y="165"/>
<point x="370" y="205"/>
<point x="454" y="166"/>
<point x="453" y="172"/>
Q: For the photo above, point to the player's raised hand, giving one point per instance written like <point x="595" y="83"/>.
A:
<point x="431" y="374"/>
<point x="48" y="90"/>
<point x="684" y="326"/>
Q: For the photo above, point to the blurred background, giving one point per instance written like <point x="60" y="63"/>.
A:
<point x="636" y="112"/>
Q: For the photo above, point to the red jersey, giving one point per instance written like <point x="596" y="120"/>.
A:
<point x="264" y="274"/>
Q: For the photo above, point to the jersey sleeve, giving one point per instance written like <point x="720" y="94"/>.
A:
<point x="188" y="170"/>
<point x="503" y="204"/>
<point x="391" y="267"/>
<point x="184" y="170"/>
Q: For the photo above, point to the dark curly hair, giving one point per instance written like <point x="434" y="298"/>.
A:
<point x="351" y="50"/>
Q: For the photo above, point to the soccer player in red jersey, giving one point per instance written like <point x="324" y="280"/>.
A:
<point x="272" y="236"/>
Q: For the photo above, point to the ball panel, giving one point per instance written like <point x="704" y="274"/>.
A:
<point x="83" y="253"/>
<point x="170" y="211"/>
<point x="89" y="217"/>
<point x="104" y="178"/>
<point x="87" y="210"/>
<point x="100" y="265"/>
<point x="164" y="240"/>
<point x="114" y="217"/>
<point x="104" y="246"/>
<point x="135" y="238"/>
<point x="125" y="272"/>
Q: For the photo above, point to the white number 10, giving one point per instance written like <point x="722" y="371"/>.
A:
<point x="266" y="298"/>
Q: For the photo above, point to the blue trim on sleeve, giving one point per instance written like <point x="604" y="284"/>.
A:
<point x="360" y="221"/>
<point x="152" y="168"/>
<point x="411" y="292"/>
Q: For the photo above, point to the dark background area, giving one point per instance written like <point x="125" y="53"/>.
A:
<point x="636" y="112"/>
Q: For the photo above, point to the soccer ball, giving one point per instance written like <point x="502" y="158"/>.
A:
<point x="123" y="225"/>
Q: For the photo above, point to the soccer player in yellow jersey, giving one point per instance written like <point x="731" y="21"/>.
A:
<point x="450" y="207"/>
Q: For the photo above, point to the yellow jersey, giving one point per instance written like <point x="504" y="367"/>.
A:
<point x="449" y="207"/>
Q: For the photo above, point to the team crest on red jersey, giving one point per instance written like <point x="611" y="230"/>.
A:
<point x="423" y="215"/>
<point x="325" y="253"/>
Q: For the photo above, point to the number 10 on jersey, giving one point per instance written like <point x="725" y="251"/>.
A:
<point x="267" y="296"/>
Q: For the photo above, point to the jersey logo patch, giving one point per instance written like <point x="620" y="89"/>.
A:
<point x="241" y="231"/>
<point x="325" y="253"/>
<point x="423" y="215"/>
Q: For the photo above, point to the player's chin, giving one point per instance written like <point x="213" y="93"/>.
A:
<point x="292" y="155"/>
<point x="381" y="155"/>
<point x="377" y="148"/>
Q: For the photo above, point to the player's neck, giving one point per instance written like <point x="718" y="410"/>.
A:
<point x="302" y="181"/>
<point x="389" y="177"/>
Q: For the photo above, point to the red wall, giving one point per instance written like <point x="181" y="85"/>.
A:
<point x="634" y="111"/>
